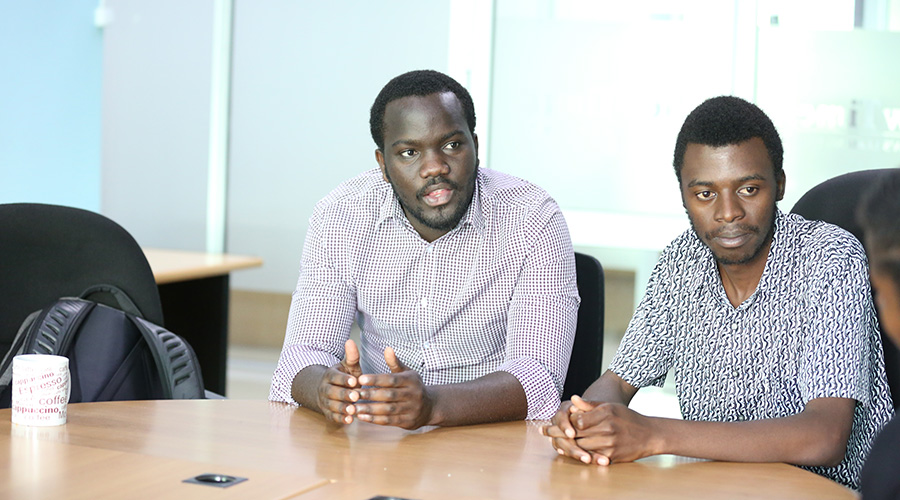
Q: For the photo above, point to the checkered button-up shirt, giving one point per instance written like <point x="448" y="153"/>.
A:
<point x="496" y="293"/>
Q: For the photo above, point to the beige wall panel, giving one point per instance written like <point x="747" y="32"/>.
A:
<point x="258" y="319"/>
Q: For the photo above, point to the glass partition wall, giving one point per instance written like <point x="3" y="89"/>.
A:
<point x="583" y="97"/>
<point x="588" y="97"/>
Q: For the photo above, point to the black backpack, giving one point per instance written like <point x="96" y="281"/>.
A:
<point x="113" y="355"/>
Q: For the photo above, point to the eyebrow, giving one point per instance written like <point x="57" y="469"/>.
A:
<point x="754" y="177"/>
<point x="410" y="142"/>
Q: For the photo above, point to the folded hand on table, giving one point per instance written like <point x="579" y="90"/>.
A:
<point x="600" y="433"/>
<point x="338" y="390"/>
<point x="398" y="398"/>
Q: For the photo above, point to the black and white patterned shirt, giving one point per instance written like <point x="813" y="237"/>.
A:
<point x="808" y="331"/>
<point x="498" y="292"/>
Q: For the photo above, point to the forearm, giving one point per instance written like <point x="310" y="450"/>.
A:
<point x="812" y="437"/>
<point x="609" y="388"/>
<point x="495" y="397"/>
<point x="305" y="386"/>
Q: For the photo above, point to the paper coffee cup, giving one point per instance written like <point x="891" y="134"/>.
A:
<point x="40" y="389"/>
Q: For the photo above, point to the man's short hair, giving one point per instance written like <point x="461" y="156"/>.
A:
<point x="724" y="121"/>
<point x="418" y="83"/>
<point x="879" y="215"/>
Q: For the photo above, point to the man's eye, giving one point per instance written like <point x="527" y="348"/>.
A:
<point x="452" y="145"/>
<point x="407" y="153"/>
<point x="749" y="190"/>
<point x="705" y="195"/>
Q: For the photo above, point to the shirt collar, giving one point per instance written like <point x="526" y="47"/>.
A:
<point x="775" y="250"/>
<point x="390" y="206"/>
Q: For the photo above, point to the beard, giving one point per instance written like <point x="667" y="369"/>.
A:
<point x="754" y="252"/>
<point x="446" y="217"/>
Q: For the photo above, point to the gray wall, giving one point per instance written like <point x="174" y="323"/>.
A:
<point x="156" y="95"/>
<point x="304" y="77"/>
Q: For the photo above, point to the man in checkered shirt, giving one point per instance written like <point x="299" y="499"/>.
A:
<point x="462" y="280"/>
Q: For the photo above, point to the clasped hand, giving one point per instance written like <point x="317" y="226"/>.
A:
<point x="600" y="433"/>
<point x="398" y="398"/>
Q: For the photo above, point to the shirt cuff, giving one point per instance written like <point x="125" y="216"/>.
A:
<point x="293" y="359"/>
<point x="540" y="390"/>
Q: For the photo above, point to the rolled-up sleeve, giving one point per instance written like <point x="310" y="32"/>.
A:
<point x="542" y="315"/>
<point x="323" y="306"/>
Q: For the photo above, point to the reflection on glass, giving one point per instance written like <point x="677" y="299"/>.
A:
<point x="835" y="100"/>
<point x="588" y="97"/>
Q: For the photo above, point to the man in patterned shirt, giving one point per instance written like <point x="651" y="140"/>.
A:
<point x="462" y="280"/>
<point x="766" y="319"/>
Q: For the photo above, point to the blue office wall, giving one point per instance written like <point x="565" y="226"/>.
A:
<point x="50" y="90"/>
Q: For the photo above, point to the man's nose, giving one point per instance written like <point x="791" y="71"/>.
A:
<point x="433" y="165"/>
<point x="729" y="207"/>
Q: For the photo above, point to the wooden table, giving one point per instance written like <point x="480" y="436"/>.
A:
<point x="279" y="448"/>
<point x="194" y="290"/>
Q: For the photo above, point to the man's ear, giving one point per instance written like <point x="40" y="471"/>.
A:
<point x="379" y="157"/>
<point x="780" y="179"/>
<point x="475" y="140"/>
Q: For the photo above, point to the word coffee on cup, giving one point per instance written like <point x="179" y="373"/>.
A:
<point x="40" y="394"/>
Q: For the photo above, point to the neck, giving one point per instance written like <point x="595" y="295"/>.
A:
<point x="741" y="280"/>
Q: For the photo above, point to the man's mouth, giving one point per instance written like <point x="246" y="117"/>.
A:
<point x="438" y="192"/>
<point x="732" y="241"/>
<point x="438" y="197"/>
<point x="733" y="238"/>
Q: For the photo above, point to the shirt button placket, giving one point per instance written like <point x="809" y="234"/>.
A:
<point x="423" y="304"/>
<point x="423" y="301"/>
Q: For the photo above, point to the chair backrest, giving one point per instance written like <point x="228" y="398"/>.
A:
<point x="586" y="362"/>
<point x="50" y="251"/>
<point x="834" y="201"/>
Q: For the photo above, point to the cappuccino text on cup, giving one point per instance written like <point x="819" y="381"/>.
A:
<point x="40" y="394"/>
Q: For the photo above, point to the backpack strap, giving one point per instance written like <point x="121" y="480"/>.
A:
<point x="123" y="301"/>
<point x="14" y="350"/>
<point x="177" y="364"/>
<point x="53" y="332"/>
<point x="47" y="331"/>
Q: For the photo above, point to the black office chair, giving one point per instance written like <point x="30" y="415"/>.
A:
<point x="834" y="201"/>
<point x="586" y="362"/>
<point x="50" y="251"/>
